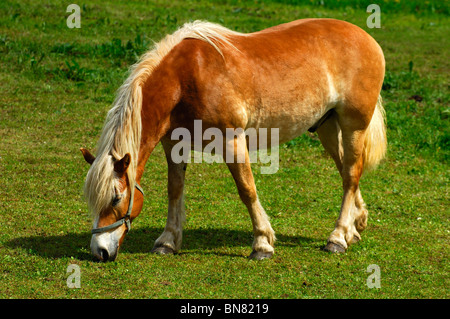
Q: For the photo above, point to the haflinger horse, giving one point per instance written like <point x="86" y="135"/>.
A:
<point x="321" y="75"/>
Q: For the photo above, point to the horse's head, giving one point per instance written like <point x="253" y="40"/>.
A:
<point x="113" y="207"/>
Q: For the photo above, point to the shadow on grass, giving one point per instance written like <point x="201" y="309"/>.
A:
<point x="76" y="245"/>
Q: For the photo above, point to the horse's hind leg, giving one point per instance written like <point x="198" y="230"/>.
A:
<point x="170" y="240"/>
<point x="346" y="147"/>
<point x="264" y="235"/>
<point x="331" y="137"/>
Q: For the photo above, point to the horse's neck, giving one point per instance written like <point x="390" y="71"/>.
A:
<point x="160" y="95"/>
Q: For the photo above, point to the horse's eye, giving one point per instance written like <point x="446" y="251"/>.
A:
<point x="116" y="200"/>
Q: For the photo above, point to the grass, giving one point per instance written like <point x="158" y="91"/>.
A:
<point x="57" y="85"/>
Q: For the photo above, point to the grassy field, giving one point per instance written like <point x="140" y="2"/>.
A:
<point x="57" y="85"/>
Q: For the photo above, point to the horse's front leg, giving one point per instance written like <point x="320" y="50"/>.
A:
<point x="170" y="240"/>
<point x="239" y="166"/>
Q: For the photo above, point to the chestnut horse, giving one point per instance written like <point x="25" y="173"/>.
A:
<point x="321" y="75"/>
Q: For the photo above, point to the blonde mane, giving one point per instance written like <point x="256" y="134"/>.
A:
<point x="122" y="129"/>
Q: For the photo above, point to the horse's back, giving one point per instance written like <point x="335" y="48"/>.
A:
<point x="311" y="45"/>
<point x="287" y="76"/>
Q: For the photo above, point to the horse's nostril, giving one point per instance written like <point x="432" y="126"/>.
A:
<point x="104" y="254"/>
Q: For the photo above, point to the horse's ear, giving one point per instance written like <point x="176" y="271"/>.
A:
<point x="122" y="165"/>
<point x="87" y="156"/>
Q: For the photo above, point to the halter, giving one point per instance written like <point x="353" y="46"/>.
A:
<point x="124" y="220"/>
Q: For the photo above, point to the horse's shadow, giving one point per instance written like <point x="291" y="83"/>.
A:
<point x="141" y="240"/>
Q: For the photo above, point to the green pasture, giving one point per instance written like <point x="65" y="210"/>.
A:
<point x="57" y="84"/>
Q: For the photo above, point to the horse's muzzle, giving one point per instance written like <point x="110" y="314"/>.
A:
<point x="104" y="247"/>
<point x="103" y="254"/>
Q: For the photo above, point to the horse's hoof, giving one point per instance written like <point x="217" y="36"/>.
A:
<point x="162" y="250"/>
<point x="260" y="255"/>
<point x="334" y="248"/>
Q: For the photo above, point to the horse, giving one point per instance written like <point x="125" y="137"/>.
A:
<point x="321" y="75"/>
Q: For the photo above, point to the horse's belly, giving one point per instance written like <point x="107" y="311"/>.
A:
<point x="292" y="100"/>
<point x="290" y="121"/>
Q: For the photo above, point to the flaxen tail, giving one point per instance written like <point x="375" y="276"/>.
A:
<point x="375" y="143"/>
